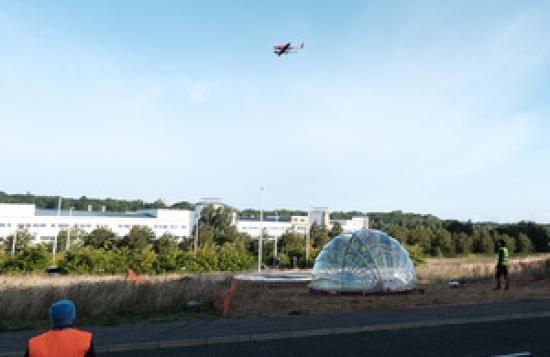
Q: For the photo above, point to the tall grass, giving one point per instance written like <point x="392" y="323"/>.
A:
<point x="28" y="298"/>
<point x="537" y="268"/>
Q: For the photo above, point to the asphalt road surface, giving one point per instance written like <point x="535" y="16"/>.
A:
<point x="515" y="338"/>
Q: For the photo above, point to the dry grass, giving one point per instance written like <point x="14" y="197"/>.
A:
<point x="472" y="268"/>
<point x="530" y="279"/>
<point x="27" y="298"/>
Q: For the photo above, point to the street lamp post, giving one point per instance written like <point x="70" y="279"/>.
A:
<point x="308" y="231"/>
<point x="54" y="248"/>
<point x="307" y="248"/>
<point x="261" y="232"/>
<point x="68" y="243"/>
<point x="196" y="242"/>
<point x="13" y="242"/>
<point x="275" y="251"/>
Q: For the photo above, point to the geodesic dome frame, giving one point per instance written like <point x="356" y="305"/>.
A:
<point x="367" y="261"/>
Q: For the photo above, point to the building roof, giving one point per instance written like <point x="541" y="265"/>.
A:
<point x="77" y="213"/>
<point x="265" y="219"/>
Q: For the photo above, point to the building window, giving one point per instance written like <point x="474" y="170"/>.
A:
<point x="2" y="224"/>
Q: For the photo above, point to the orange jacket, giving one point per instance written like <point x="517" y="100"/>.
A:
<point x="61" y="343"/>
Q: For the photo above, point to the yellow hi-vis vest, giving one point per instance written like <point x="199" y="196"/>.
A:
<point x="504" y="252"/>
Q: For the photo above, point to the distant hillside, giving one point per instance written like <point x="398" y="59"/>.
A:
<point x="50" y="202"/>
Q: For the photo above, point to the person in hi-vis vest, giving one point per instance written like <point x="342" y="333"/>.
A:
<point x="502" y="265"/>
<point x="62" y="340"/>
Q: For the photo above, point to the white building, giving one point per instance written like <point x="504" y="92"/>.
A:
<point x="274" y="228"/>
<point x="353" y="224"/>
<point x="319" y="216"/>
<point x="45" y="224"/>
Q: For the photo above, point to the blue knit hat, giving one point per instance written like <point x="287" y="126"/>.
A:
<point x="62" y="313"/>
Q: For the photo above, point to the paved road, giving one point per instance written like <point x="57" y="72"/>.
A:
<point x="152" y="336"/>
<point x="479" y="339"/>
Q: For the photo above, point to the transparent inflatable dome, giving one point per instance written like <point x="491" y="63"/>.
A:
<point x="367" y="260"/>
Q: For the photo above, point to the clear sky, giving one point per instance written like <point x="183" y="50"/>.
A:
<point x="435" y="107"/>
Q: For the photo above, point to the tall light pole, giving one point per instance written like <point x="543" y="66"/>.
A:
<point x="54" y="248"/>
<point x="196" y="242"/>
<point x="308" y="231"/>
<point x="13" y="241"/>
<point x="261" y="231"/>
<point x="275" y="251"/>
<point x="68" y="243"/>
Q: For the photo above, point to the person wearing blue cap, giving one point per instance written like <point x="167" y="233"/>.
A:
<point x="61" y="340"/>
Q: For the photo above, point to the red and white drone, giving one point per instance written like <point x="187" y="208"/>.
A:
<point x="286" y="49"/>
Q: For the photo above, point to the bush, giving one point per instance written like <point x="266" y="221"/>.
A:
<point x="416" y="254"/>
<point x="205" y="261"/>
<point x="523" y="244"/>
<point x="234" y="259"/>
<point x="28" y="259"/>
<point x="87" y="260"/>
<point x="141" y="261"/>
<point x="167" y="254"/>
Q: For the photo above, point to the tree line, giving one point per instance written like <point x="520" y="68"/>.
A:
<point x="220" y="248"/>
<point x="82" y="203"/>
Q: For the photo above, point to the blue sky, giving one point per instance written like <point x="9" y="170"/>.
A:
<point x="424" y="106"/>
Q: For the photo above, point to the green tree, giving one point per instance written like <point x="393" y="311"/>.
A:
<point x="23" y="239"/>
<point x="138" y="238"/>
<point x="88" y="260"/>
<point x="442" y="242"/>
<point x="510" y="242"/>
<point x="319" y="237"/>
<point x="294" y="245"/>
<point x="399" y="233"/>
<point x="232" y="258"/>
<point x="336" y="230"/>
<point x="78" y="237"/>
<point x="101" y="238"/>
<point x="231" y="235"/>
<point x="3" y="258"/>
<point x="206" y="235"/>
<point x="463" y="243"/>
<point x="416" y="254"/>
<point x="207" y="259"/>
<point x="218" y="219"/>
<point x="483" y="242"/>
<point x="523" y="244"/>
<point x="422" y="237"/>
<point x="140" y="260"/>
<point x="183" y="205"/>
<point x="167" y="252"/>
<point x="538" y="234"/>
<point x="29" y="258"/>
